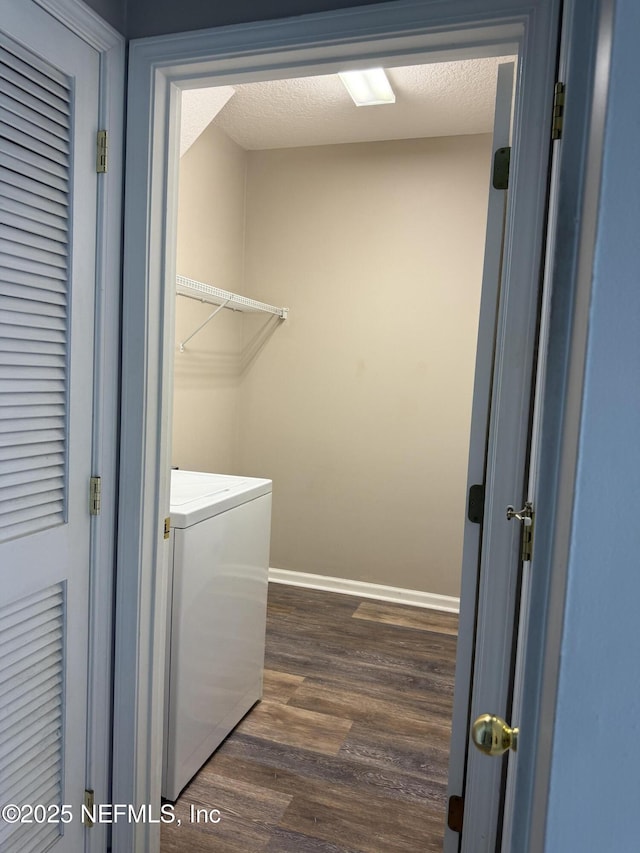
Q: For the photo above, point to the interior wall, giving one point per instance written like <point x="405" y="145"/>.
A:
<point x="156" y="17"/>
<point x="113" y="11"/>
<point x="210" y="248"/>
<point x="358" y="407"/>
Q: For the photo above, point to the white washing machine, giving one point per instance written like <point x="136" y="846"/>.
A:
<point x="220" y="531"/>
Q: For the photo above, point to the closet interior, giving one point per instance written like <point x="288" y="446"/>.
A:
<point x="329" y="261"/>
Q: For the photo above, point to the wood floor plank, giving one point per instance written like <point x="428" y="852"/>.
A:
<point x="425" y="757"/>
<point x="348" y="751"/>
<point x="286" y="841"/>
<point x="248" y="816"/>
<point x="358" y="644"/>
<point x="309" y="658"/>
<point x="296" y="726"/>
<point x="267" y="764"/>
<point x="332" y="626"/>
<point x="369" y="825"/>
<point x="419" y="652"/>
<point x="426" y="714"/>
<point x="279" y="686"/>
<point x="326" y="604"/>
<point x="405" y="616"/>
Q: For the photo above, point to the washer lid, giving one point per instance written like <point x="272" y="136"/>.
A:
<point x="197" y="495"/>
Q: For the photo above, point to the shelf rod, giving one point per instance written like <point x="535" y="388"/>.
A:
<point x="202" y="325"/>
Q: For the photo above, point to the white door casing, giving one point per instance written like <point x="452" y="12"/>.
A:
<point x="48" y="227"/>
<point x="400" y="32"/>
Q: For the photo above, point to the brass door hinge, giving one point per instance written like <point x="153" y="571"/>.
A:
<point x="455" y="813"/>
<point x="95" y="495"/>
<point x="558" y="111"/>
<point x="167" y="528"/>
<point x="101" y="152"/>
<point x="87" y="811"/>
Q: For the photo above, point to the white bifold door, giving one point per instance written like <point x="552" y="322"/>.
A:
<point x="48" y="122"/>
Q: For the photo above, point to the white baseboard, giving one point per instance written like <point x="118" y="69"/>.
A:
<point x="366" y="590"/>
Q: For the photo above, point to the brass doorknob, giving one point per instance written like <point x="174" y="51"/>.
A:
<point x="493" y="736"/>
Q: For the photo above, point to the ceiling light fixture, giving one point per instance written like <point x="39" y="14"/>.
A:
<point x="368" y="87"/>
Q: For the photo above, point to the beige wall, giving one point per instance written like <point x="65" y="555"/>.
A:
<point x="210" y="248"/>
<point x="358" y="407"/>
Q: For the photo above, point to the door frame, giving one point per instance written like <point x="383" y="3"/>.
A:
<point x="587" y="35"/>
<point x="110" y="45"/>
<point x="159" y="67"/>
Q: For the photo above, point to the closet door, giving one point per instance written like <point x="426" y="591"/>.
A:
<point x="48" y="122"/>
<point x="488" y="600"/>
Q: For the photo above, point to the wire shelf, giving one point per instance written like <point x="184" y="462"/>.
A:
<point x="216" y="296"/>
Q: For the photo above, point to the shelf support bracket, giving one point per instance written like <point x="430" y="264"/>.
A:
<point x="202" y="325"/>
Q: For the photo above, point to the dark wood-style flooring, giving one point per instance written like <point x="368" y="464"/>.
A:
<point x="348" y="750"/>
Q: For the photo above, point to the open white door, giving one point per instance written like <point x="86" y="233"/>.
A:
<point x="477" y="472"/>
<point x="524" y="605"/>
<point x="48" y="123"/>
<point x="492" y="560"/>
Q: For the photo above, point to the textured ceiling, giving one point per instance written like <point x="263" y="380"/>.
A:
<point x="438" y="99"/>
<point x="199" y="108"/>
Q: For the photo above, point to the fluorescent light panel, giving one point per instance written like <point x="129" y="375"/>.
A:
<point x="368" y="87"/>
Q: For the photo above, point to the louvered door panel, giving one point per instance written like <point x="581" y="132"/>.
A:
<point x="35" y="144"/>
<point x="49" y="96"/>
<point x="31" y="709"/>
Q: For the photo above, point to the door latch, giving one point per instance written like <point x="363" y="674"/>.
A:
<point x="525" y="515"/>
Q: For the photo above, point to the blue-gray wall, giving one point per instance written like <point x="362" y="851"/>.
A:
<point x="595" y="791"/>
<point x="156" y="17"/>
<point x="113" y="11"/>
<point x="139" y="18"/>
